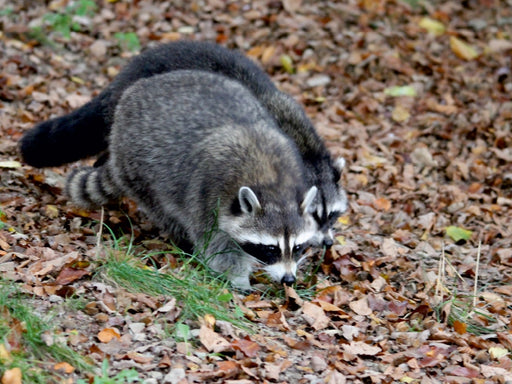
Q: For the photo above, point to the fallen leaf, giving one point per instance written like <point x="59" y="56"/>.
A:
<point x="396" y="91"/>
<point x="107" y="334"/>
<point x="10" y="164"/>
<point x="491" y="372"/>
<point x="458" y="233"/>
<point x="335" y="377"/>
<point x="4" y="353"/>
<point x="499" y="45"/>
<point x="287" y="63"/>
<point x="460" y="327"/>
<point x="462" y="50"/>
<point x="228" y="368"/>
<point x="292" y="5"/>
<point x="248" y="347"/>
<point x="65" y="367"/>
<point x="12" y="376"/>
<point x="360" y="307"/>
<point x="433" y="27"/>
<point x="315" y="316"/>
<point x="350" y="331"/>
<point x="497" y="352"/>
<point x="361" y="348"/>
<point x="67" y="275"/>
<point x="209" y="320"/>
<point x="382" y="204"/>
<point x="400" y="114"/>
<point x="212" y="341"/>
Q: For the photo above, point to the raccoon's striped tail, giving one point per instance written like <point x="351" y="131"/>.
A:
<point x="91" y="187"/>
<point x="67" y="138"/>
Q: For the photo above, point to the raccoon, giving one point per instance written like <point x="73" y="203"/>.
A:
<point x="197" y="151"/>
<point x="85" y="131"/>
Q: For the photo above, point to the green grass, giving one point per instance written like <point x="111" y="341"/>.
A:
<point x="125" y="376"/>
<point x="461" y="310"/>
<point x="2" y="218"/>
<point x="23" y="338"/>
<point x="199" y="290"/>
<point x="127" y="41"/>
<point x="63" y="21"/>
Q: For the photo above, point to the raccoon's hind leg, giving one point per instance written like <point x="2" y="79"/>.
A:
<point x="91" y="187"/>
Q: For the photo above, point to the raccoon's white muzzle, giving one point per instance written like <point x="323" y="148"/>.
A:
<point x="282" y="272"/>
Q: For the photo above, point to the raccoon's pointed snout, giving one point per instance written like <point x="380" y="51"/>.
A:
<point x="288" y="279"/>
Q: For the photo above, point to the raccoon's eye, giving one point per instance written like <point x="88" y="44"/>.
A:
<point x="268" y="254"/>
<point x="298" y="249"/>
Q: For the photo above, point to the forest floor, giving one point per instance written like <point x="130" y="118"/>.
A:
<point x="415" y="95"/>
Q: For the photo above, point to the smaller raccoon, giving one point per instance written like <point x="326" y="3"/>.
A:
<point x="197" y="151"/>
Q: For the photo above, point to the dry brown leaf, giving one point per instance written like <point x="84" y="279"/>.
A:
<point x="67" y="275"/>
<point x="65" y="367"/>
<point x="361" y="348"/>
<point x="361" y="307"/>
<point x="328" y="307"/>
<point x="12" y="376"/>
<point x="315" y="316"/>
<point x="228" y="368"/>
<point x="400" y="114"/>
<point x="292" y="5"/>
<point x="212" y="341"/>
<point x="248" y="347"/>
<point x="335" y="377"/>
<point x="389" y="248"/>
<point x="107" y="334"/>
<point x="382" y="204"/>
<point x="460" y="327"/>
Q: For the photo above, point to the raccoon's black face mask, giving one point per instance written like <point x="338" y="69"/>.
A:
<point x="271" y="254"/>
<point x="331" y="201"/>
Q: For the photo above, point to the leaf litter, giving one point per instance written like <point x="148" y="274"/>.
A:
<point x="416" y="96"/>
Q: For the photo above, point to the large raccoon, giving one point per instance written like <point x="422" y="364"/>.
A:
<point x="197" y="151"/>
<point x="85" y="131"/>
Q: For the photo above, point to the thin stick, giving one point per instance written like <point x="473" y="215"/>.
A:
<point x="440" y="274"/>
<point x="476" y="272"/>
<point x="100" y="233"/>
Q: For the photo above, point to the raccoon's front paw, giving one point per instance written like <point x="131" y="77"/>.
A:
<point x="241" y="283"/>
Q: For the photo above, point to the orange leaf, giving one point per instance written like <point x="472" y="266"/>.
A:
<point x="68" y="275"/>
<point x="382" y="204"/>
<point x="107" y="334"/>
<point x="459" y="327"/>
<point x="228" y="368"/>
<point x="65" y="367"/>
<point x="12" y="376"/>
<point x="247" y="347"/>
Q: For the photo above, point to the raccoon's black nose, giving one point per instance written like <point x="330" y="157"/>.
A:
<point x="288" y="279"/>
<point x="328" y="242"/>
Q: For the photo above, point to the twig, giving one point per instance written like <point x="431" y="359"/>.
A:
<point x="99" y="235"/>
<point x="440" y="274"/>
<point x="476" y="272"/>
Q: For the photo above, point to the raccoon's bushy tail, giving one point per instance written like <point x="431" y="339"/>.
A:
<point x="91" y="187"/>
<point x="67" y="138"/>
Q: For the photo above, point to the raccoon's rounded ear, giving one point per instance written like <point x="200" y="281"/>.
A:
<point x="248" y="200"/>
<point x="309" y="196"/>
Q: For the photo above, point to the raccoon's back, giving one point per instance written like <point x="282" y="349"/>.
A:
<point x="189" y="138"/>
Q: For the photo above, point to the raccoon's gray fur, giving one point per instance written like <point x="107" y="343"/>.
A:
<point x="85" y="131"/>
<point x="197" y="151"/>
